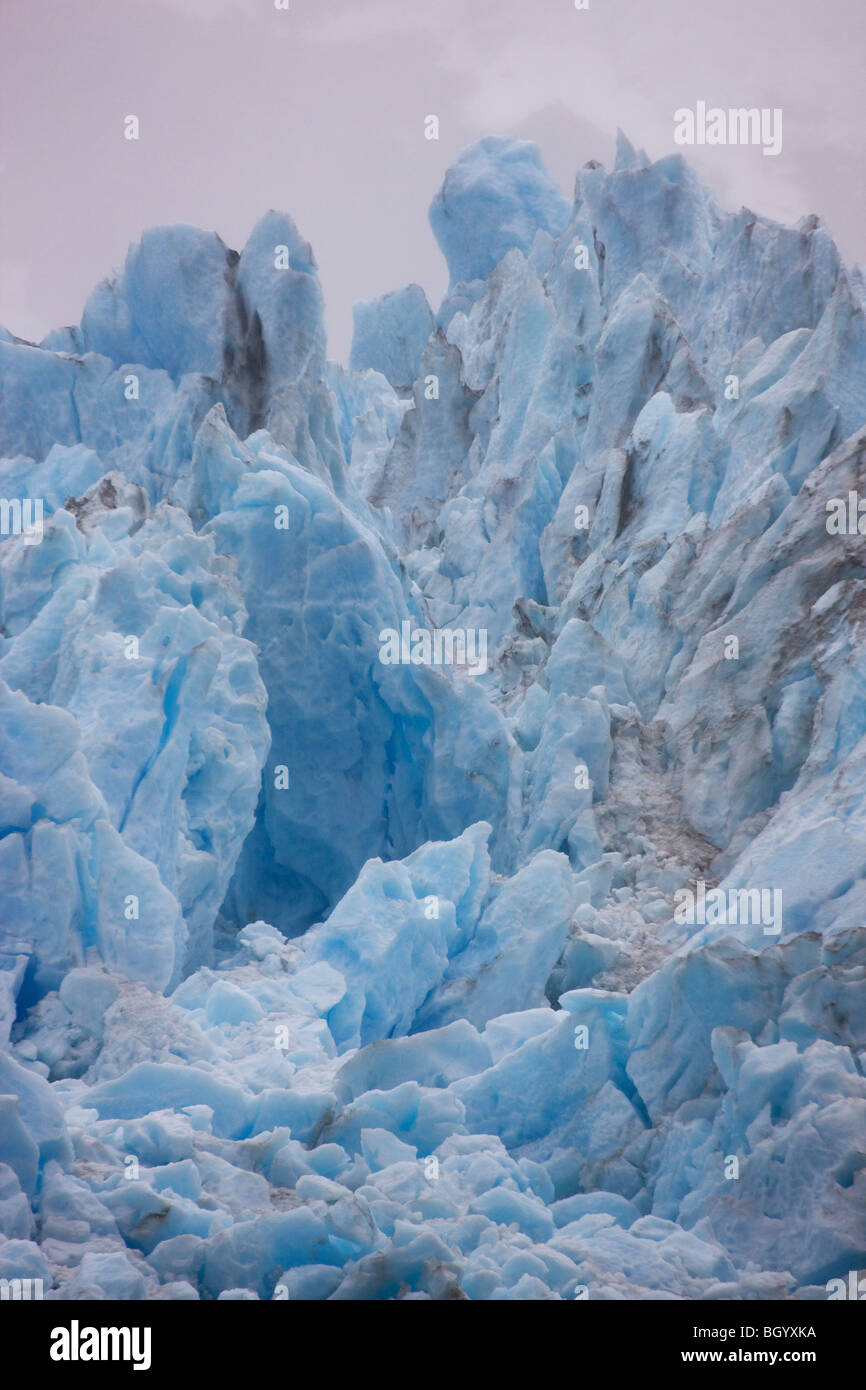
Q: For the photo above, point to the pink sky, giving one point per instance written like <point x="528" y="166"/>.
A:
<point x="320" y="112"/>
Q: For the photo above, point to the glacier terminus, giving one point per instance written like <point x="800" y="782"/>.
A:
<point x="331" y="970"/>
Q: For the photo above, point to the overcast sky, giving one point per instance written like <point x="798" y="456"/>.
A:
<point x="319" y="111"/>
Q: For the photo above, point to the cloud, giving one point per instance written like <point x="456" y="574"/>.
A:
<point x="17" y="299"/>
<point x="215" y="9"/>
<point x="373" y="21"/>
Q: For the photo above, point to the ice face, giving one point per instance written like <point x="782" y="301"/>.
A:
<point x="369" y="970"/>
<point x="391" y="334"/>
<point x="495" y="197"/>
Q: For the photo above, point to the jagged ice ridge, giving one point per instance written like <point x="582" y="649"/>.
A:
<point x="333" y="978"/>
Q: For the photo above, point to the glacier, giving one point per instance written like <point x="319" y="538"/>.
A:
<point x="326" y="978"/>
